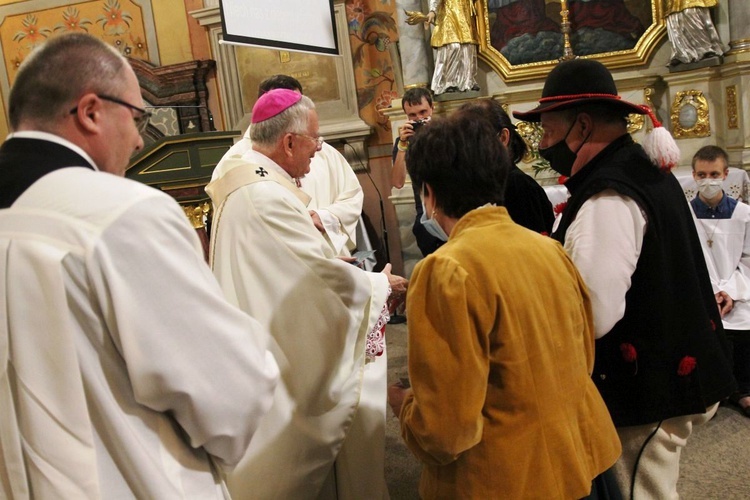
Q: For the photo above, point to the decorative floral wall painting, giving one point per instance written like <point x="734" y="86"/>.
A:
<point x="372" y="29"/>
<point x="118" y="22"/>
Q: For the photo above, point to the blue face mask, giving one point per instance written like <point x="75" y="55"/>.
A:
<point x="432" y="226"/>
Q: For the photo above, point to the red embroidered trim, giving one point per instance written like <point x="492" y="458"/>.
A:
<point x="629" y="353"/>
<point x="375" y="343"/>
<point x="559" y="207"/>
<point x="687" y="365"/>
<point x="577" y="96"/>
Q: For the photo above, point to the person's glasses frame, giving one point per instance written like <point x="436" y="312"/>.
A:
<point x="141" y="119"/>
<point x="318" y="140"/>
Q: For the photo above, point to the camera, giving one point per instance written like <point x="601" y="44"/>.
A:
<point x="415" y="125"/>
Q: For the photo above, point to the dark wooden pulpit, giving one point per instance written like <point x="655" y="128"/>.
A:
<point x="181" y="166"/>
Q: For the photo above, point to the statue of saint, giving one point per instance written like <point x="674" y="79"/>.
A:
<point x="455" y="42"/>
<point x="691" y="31"/>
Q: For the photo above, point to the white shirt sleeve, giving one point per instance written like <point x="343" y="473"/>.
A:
<point x="604" y="241"/>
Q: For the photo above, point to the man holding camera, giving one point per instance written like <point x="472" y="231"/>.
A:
<point x="417" y="104"/>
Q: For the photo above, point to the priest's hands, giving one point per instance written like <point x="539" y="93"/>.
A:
<point x="725" y="303"/>
<point x="317" y="222"/>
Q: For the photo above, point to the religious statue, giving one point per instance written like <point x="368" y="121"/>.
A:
<point x="691" y="31"/>
<point x="454" y="41"/>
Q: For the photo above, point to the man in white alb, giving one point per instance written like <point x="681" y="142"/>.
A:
<point x="124" y="372"/>
<point x="724" y="229"/>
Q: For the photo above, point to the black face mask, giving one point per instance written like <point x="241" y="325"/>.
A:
<point x="559" y="155"/>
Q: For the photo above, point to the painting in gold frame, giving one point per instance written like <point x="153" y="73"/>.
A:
<point x="522" y="39"/>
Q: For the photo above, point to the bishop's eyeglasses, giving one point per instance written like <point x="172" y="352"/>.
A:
<point x="317" y="140"/>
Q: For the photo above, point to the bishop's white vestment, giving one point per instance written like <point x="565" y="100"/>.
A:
<point x="334" y="188"/>
<point x="273" y="263"/>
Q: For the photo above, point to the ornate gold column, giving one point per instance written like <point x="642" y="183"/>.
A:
<point x="739" y="26"/>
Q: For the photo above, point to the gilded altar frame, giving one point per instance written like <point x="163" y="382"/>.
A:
<point x="689" y="115"/>
<point x="509" y="72"/>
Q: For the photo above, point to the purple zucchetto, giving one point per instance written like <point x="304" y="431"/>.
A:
<point x="274" y="102"/>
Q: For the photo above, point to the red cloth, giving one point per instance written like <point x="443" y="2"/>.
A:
<point x="611" y="15"/>
<point x="524" y="16"/>
<point x="530" y="16"/>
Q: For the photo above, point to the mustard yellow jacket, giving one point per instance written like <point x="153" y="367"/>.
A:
<point x="501" y="349"/>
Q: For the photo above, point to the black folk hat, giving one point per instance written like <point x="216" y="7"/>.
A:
<point x="583" y="81"/>
<point x="576" y="82"/>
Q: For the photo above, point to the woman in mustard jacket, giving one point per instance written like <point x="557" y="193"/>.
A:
<point x="501" y="342"/>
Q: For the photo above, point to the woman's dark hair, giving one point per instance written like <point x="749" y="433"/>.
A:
<point x="462" y="160"/>
<point x="494" y="112"/>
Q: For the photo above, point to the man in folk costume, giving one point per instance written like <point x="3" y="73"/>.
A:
<point x="661" y="354"/>
<point x="326" y="317"/>
<point x="124" y="372"/>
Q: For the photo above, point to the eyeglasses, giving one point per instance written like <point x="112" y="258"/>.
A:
<point x="318" y="140"/>
<point x="141" y="119"/>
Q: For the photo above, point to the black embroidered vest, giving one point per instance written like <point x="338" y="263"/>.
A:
<point x="668" y="355"/>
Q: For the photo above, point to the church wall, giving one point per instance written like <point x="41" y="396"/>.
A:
<point x="665" y="87"/>
<point x="153" y="30"/>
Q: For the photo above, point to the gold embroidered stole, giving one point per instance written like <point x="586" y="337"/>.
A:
<point x="243" y="173"/>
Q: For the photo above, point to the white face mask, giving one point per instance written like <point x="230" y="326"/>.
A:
<point x="432" y="226"/>
<point x="709" y="188"/>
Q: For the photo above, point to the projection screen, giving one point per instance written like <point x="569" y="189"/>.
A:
<point x="300" y="25"/>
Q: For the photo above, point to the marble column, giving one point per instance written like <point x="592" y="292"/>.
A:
<point x="739" y="26"/>
<point x="415" y="58"/>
